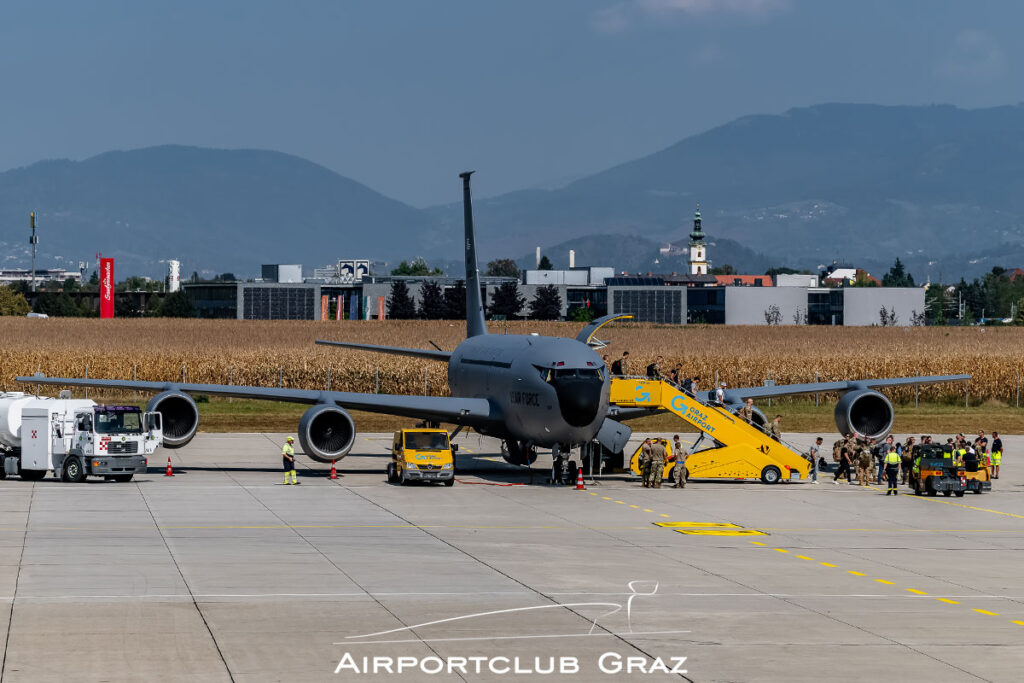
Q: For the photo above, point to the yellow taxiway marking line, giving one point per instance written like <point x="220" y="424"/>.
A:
<point x="758" y="543"/>
<point x="804" y="557"/>
<point x="826" y="564"/>
<point x="986" y="612"/>
<point x="664" y="515"/>
<point x="720" y="531"/>
<point x="648" y="510"/>
<point x="888" y="583"/>
<point x="591" y="493"/>
<point x="605" y="497"/>
<point x="781" y="550"/>
<point x="855" y="573"/>
<point x="1019" y="623"/>
<point x="948" y="601"/>
<point x="635" y="506"/>
<point x="619" y="502"/>
<point x="699" y="525"/>
<point x="914" y="590"/>
<point x="959" y="505"/>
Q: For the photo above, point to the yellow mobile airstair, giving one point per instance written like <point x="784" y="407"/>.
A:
<point x="737" y="449"/>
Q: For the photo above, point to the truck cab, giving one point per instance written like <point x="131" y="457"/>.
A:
<point x="422" y="454"/>
<point x="936" y="469"/>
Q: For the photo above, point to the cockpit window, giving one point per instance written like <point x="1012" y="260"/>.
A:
<point x="564" y="373"/>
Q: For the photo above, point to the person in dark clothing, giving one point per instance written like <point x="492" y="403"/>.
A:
<point x="844" y="466"/>
<point x="619" y="366"/>
<point x="654" y="369"/>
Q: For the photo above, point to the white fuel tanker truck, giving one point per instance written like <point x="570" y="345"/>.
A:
<point x="74" y="438"/>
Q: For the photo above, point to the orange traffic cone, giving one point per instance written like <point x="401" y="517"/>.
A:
<point x="334" y="471"/>
<point x="170" y="471"/>
<point x="579" y="481"/>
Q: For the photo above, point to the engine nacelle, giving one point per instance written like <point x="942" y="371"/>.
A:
<point x="864" y="412"/>
<point x="180" y="417"/>
<point x="326" y="433"/>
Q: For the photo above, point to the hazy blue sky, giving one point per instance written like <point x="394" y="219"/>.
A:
<point x="402" y="95"/>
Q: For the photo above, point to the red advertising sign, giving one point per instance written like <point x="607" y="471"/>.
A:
<point x="380" y="308"/>
<point x="324" y="307"/>
<point x="106" y="288"/>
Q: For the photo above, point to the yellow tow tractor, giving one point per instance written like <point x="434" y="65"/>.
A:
<point x="422" y="454"/>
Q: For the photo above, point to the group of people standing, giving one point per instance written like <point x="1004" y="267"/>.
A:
<point x="893" y="459"/>
<point x="653" y="457"/>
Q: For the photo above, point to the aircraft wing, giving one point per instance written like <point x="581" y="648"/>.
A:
<point x="467" y="411"/>
<point x="392" y="350"/>
<point x="740" y="395"/>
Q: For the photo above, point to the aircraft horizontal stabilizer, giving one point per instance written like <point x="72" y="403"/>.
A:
<point x="428" y="354"/>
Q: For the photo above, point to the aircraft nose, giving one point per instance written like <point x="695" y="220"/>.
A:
<point x="579" y="399"/>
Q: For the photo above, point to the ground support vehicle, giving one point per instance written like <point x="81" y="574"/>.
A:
<point x="729" y="447"/>
<point x="422" y="454"/>
<point x="74" y="438"/>
<point x="978" y="474"/>
<point x="936" y="470"/>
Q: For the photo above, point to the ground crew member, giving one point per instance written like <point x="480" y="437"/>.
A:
<point x="776" y="429"/>
<point x="658" y="456"/>
<point x="288" y="461"/>
<point x="997" y="454"/>
<point x="864" y="467"/>
<point x="679" y="472"/>
<point x="645" y="462"/>
<point x="892" y="466"/>
<point x="747" y="411"/>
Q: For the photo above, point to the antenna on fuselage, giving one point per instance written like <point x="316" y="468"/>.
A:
<point x="475" y="324"/>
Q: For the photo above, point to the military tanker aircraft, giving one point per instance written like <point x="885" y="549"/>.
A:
<point x="529" y="391"/>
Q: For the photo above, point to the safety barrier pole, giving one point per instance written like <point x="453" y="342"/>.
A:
<point x="231" y="380"/>
<point x="328" y="378"/>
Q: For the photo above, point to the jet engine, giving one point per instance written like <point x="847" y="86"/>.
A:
<point x="326" y="433"/>
<point x="864" y="412"/>
<point x="180" y="417"/>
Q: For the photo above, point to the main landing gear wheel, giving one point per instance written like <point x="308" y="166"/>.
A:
<point x="771" y="475"/>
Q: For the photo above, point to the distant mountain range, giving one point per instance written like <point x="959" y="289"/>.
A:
<point x="215" y="210"/>
<point x="940" y="187"/>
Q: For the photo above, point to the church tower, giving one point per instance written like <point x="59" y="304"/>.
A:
<point x="699" y="263"/>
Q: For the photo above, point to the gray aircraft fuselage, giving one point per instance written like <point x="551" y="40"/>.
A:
<point x="547" y="390"/>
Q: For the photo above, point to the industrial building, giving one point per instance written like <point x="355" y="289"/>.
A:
<point x="349" y="291"/>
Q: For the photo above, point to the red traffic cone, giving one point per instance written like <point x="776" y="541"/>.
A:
<point x="170" y="471"/>
<point x="334" y="471"/>
<point x="579" y="481"/>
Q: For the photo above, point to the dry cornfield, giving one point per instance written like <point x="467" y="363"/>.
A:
<point x="268" y="353"/>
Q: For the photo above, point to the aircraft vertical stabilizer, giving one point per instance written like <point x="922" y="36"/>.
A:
<point x="475" y="324"/>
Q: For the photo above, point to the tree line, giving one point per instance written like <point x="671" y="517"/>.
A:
<point x="449" y="303"/>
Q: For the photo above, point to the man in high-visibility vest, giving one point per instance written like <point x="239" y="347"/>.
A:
<point x="892" y="469"/>
<point x="997" y="454"/>
<point x="288" y="461"/>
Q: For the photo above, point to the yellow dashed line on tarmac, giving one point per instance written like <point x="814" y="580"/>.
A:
<point x="664" y="515"/>
<point x="636" y="507"/>
<point x="891" y="583"/>
<point x="648" y="510"/>
<point x="605" y="497"/>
